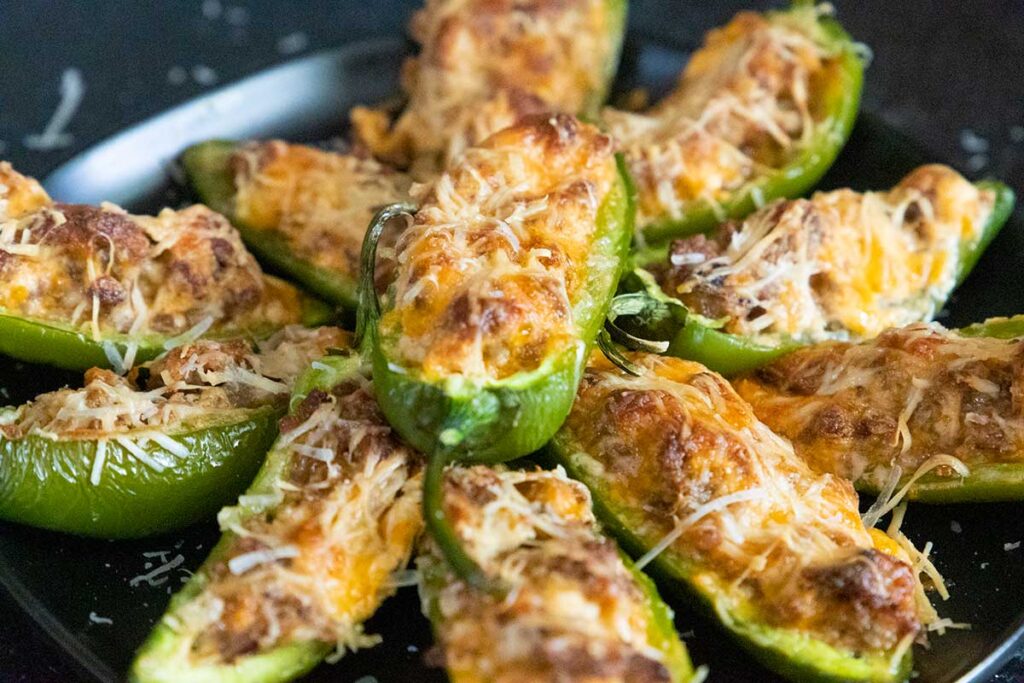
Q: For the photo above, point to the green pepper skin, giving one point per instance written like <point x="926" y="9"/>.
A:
<point x="789" y="653"/>
<point x="494" y="420"/>
<point x="1001" y="210"/>
<point x="997" y="328"/>
<point x="163" y="657"/>
<point x="53" y="343"/>
<point x="661" y="635"/>
<point x="618" y="11"/>
<point x="207" y="166"/>
<point x="46" y="483"/>
<point x="801" y="173"/>
<point x="505" y="419"/>
<point x="731" y="354"/>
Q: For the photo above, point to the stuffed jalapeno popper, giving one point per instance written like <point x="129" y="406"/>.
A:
<point x="760" y="112"/>
<point x="300" y="209"/>
<point x="575" y="609"/>
<point x="484" y="64"/>
<point x="159" y="449"/>
<point x="308" y="553"/>
<point x="496" y="292"/>
<point x="84" y="286"/>
<point x="841" y="265"/>
<point x="921" y="411"/>
<point x="684" y="474"/>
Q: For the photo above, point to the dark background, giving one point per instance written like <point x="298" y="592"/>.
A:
<point x="950" y="74"/>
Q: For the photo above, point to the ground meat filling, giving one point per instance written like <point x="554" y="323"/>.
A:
<point x="189" y="383"/>
<point x="749" y="101"/>
<point x="840" y="265"/>
<point x="483" y="65"/>
<point x="320" y="201"/>
<point x="574" y="611"/>
<point x="911" y="394"/>
<point x="489" y="273"/>
<point x="105" y="271"/>
<point x="316" y="561"/>
<point x="686" y="456"/>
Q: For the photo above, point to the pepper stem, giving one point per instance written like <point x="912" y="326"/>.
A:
<point x="369" y="306"/>
<point x="442" y="531"/>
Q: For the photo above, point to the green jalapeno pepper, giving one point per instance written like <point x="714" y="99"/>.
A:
<point x="986" y="482"/>
<point x="848" y="409"/>
<point x="166" y="446"/>
<point x="793" y="652"/>
<point x="54" y="343"/>
<point x="645" y="312"/>
<point x="176" y="650"/>
<point x="618" y="11"/>
<point x="491" y="421"/>
<point x="834" y="115"/>
<point x="103" y="489"/>
<point x="208" y="167"/>
<point x="469" y="617"/>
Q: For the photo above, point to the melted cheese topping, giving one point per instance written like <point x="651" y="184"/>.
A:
<point x="573" y="610"/>
<point x="482" y="64"/>
<point x="197" y="381"/>
<point x="841" y="265"/>
<point x="102" y="270"/>
<point x="320" y="201"/>
<point x="489" y="273"/>
<point x="860" y="410"/>
<point x="312" y="559"/>
<point x="19" y="194"/>
<point x="749" y="101"/>
<point x="687" y="462"/>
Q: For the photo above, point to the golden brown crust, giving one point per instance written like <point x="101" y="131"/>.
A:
<point x="836" y="266"/>
<point x="190" y="383"/>
<point x="573" y="611"/>
<point x="912" y="393"/>
<point x="686" y="456"/>
<point x="487" y="276"/>
<point x="483" y="65"/>
<point x="747" y="102"/>
<point x="346" y="516"/>
<point x="108" y="271"/>
<point x="320" y="201"/>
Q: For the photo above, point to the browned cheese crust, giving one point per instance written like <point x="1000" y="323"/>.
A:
<point x="103" y="270"/>
<point x="320" y="201"/>
<point x="573" y="611"/>
<point x="486" y="277"/>
<point x="690" y="463"/>
<point x="840" y="265"/>
<point x="747" y="103"/>
<point x="319" y="560"/>
<point x="187" y="385"/>
<point x="858" y="410"/>
<point x="483" y="64"/>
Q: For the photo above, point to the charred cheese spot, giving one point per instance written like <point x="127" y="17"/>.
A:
<point x="320" y="561"/>
<point x="840" y="265"/>
<point x="104" y="270"/>
<point x="749" y="101"/>
<point x="320" y="201"/>
<point x="485" y="63"/>
<point x="857" y="410"/>
<point x="573" y="612"/>
<point x="685" y="456"/>
<point x="189" y="384"/>
<point x="487" y="276"/>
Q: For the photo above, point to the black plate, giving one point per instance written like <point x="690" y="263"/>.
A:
<point x="72" y="586"/>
